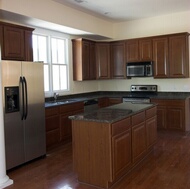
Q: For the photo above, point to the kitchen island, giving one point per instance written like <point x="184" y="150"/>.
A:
<point x="110" y="142"/>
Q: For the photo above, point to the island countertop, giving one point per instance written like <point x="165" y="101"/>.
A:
<point x="113" y="113"/>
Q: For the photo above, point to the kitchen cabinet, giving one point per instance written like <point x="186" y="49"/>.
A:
<point x="105" y="152"/>
<point x="113" y="101"/>
<point x="58" y="126"/>
<point x="65" y="122"/>
<point x="138" y="136"/>
<point x="103" y="60"/>
<point x="160" y="57"/>
<point x="107" y="101"/>
<point x="173" y="114"/>
<point x="52" y="126"/>
<point x="103" y="102"/>
<point x="84" y="60"/>
<point x="171" y="56"/>
<point x="179" y="55"/>
<point x="121" y="147"/>
<point x="139" y="50"/>
<point x="118" y="64"/>
<point x="16" y="42"/>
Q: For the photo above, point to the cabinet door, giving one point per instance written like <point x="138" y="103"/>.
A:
<point x="178" y="56"/>
<point x="52" y="123"/>
<point x="118" y="65"/>
<point x="138" y="141"/>
<point x="103" y="60"/>
<point x="85" y="60"/>
<point x="151" y="131"/>
<point x="132" y="50"/>
<point x="145" y="49"/>
<point x="175" y="118"/>
<point x="66" y="125"/>
<point x="13" y="43"/>
<point x="160" y="57"/>
<point x="1" y="38"/>
<point x="28" y="46"/>
<point x="121" y="149"/>
<point x="92" y="69"/>
<point x="162" y="117"/>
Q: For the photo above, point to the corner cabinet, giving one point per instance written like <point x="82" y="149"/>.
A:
<point x="16" y="42"/>
<point x="171" y="56"/>
<point x="139" y="50"/>
<point x="173" y="114"/>
<point x="84" y="60"/>
<point x="103" y="60"/>
<point x="118" y="64"/>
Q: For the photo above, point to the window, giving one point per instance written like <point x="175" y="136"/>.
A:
<point x="53" y="52"/>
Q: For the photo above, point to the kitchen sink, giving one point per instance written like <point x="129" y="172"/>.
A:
<point x="60" y="102"/>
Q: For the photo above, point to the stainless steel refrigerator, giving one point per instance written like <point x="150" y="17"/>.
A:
<point x="24" y="111"/>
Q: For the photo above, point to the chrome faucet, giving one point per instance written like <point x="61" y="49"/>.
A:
<point x="55" y="95"/>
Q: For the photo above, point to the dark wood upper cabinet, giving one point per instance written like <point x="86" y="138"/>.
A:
<point x="28" y="45"/>
<point x="179" y="55"/>
<point x="16" y="42"/>
<point x="132" y="50"/>
<point x="145" y="49"/>
<point x="118" y="64"/>
<point x="103" y="60"/>
<point x="160" y="57"/>
<point x="84" y="60"/>
<point x="171" y="56"/>
<point x="139" y="50"/>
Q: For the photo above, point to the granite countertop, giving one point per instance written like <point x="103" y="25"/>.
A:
<point x="112" y="94"/>
<point x="112" y="113"/>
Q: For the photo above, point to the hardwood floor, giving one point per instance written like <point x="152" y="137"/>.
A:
<point x="168" y="167"/>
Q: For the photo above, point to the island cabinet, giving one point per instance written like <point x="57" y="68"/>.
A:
<point x="139" y="50"/>
<point x="104" y="152"/>
<point x="118" y="63"/>
<point x="103" y="60"/>
<point x="16" y="42"/>
<point x="58" y="126"/>
<point x="171" y="56"/>
<point x="84" y="60"/>
<point x="173" y="114"/>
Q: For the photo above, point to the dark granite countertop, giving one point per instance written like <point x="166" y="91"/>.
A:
<point x="112" y="94"/>
<point x="113" y="113"/>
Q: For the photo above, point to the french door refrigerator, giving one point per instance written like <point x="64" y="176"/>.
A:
<point x="24" y="111"/>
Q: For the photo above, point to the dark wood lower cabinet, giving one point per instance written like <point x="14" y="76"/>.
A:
<point x="105" y="152"/>
<point x="58" y="125"/>
<point x="173" y="114"/>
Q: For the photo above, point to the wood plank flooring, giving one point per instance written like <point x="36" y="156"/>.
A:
<point x="168" y="167"/>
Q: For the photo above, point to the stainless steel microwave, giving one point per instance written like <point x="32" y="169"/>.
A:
<point x="139" y="69"/>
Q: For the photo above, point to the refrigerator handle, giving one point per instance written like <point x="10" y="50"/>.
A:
<point x="23" y="103"/>
<point x="26" y="97"/>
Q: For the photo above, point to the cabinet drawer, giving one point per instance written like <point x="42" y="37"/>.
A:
<point x="121" y="126"/>
<point x="138" y="118"/>
<point x="71" y="107"/>
<point x="151" y="112"/>
<point x="51" y="111"/>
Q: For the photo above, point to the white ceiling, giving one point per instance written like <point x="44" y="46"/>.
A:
<point x="125" y="10"/>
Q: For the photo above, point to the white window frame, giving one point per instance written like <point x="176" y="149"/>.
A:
<point x="50" y="64"/>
